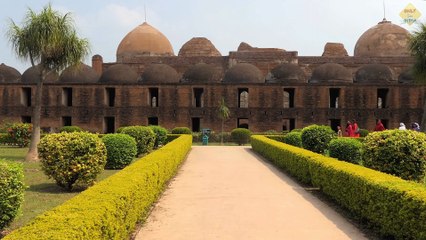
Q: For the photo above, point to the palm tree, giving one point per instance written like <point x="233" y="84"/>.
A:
<point x="417" y="45"/>
<point x="224" y="114"/>
<point x="48" y="40"/>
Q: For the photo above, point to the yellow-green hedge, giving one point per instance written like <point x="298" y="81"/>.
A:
<point x="395" y="208"/>
<point x="111" y="208"/>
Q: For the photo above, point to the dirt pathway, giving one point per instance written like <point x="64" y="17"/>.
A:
<point x="231" y="193"/>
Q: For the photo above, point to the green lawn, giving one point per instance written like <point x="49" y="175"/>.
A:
<point x="42" y="193"/>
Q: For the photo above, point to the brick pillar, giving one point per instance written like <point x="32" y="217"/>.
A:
<point x="97" y="62"/>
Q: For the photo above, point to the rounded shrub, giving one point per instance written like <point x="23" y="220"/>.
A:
<point x="363" y="132"/>
<point x="316" y="138"/>
<point x="346" y="149"/>
<point x="160" y="135"/>
<point x="73" y="160"/>
<point x="144" y="136"/>
<point x="20" y="134"/>
<point x="70" y="129"/>
<point x="293" y="138"/>
<point x="181" y="130"/>
<point x="121" y="149"/>
<point x="241" y="135"/>
<point x="12" y="190"/>
<point x="398" y="152"/>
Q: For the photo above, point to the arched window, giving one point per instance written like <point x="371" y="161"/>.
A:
<point x="286" y="100"/>
<point x="244" y="99"/>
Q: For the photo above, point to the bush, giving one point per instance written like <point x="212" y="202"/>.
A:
<point x="160" y="135"/>
<point x="121" y="149"/>
<point x="363" y="132"/>
<point x="144" y="136"/>
<point x="390" y="205"/>
<point x="316" y="138"/>
<point x="73" y="160"/>
<point x="241" y="135"/>
<point x="112" y="208"/>
<point x="346" y="149"/>
<point x="70" y="129"/>
<point x="397" y="152"/>
<point x="181" y="130"/>
<point x="293" y="138"/>
<point x="11" y="191"/>
<point x="20" y="134"/>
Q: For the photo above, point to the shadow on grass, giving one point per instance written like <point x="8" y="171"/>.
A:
<point x="48" y="188"/>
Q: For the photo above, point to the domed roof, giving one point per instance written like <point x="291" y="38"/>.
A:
<point x="119" y="73"/>
<point x="406" y="76"/>
<point x="331" y="72"/>
<point x="160" y="73"/>
<point x="202" y="73"/>
<point x="144" y="40"/>
<point x="244" y="73"/>
<point x="9" y="74"/>
<point x="286" y="73"/>
<point x="374" y="73"/>
<point x="198" y="46"/>
<point x="80" y="73"/>
<point x="32" y="75"/>
<point x="383" y="40"/>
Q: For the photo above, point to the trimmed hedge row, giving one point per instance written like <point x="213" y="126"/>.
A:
<point x="111" y="208"/>
<point x="394" y="207"/>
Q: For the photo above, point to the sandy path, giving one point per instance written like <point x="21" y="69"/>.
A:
<point x="230" y="193"/>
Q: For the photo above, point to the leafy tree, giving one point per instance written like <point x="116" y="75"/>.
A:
<point x="224" y="114"/>
<point x="417" y="45"/>
<point x="48" y="40"/>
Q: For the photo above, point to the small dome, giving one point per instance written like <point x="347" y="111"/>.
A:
<point x="334" y="50"/>
<point x="202" y="73"/>
<point x="374" y="73"/>
<point x="160" y="73"/>
<point x="144" y="40"/>
<point x="331" y="72"/>
<point x="406" y="76"/>
<point x="32" y="75"/>
<point x="198" y="46"/>
<point x="383" y="40"/>
<point x="80" y="73"/>
<point x="9" y="74"/>
<point x="286" y="73"/>
<point x="119" y="73"/>
<point x="244" y="73"/>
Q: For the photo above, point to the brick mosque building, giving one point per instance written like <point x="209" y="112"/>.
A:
<point x="264" y="88"/>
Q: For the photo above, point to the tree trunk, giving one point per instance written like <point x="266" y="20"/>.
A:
<point x="221" y="134"/>
<point x="32" y="155"/>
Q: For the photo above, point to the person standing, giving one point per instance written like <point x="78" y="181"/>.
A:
<point x="415" y="127"/>
<point x="339" y="131"/>
<point x="355" y="128"/>
<point x="402" y="126"/>
<point x="349" y="129"/>
<point x="379" y="126"/>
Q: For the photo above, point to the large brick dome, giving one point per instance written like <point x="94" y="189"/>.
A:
<point x="144" y="40"/>
<point x="79" y="74"/>
<point x="32" y="75"/>
<point x="9" y="74"/>
<point x="331" y="73"/>
<point x="198" y="46"/>
<point x="383" y="40"/>
<point x="244" y="73"/>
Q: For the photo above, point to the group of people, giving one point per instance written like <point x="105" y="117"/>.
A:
<point x="352" y="129"/>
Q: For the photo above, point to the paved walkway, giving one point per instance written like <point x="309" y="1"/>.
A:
<point x="231" y="193"/>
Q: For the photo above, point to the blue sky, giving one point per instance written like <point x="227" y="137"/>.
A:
<point x="295" y="25"/>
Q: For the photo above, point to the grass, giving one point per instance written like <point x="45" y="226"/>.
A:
<point x="42" y="193"/>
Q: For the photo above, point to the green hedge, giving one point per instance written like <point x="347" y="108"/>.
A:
<point x="111" y="208"/>
<point x="394" y="207"/>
